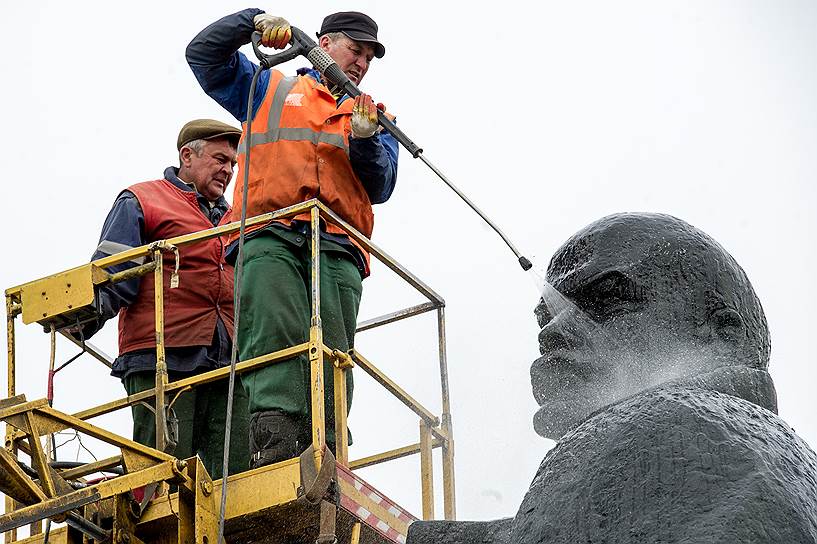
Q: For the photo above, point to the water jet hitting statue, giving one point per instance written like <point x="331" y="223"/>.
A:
<point x="660" y="400"/>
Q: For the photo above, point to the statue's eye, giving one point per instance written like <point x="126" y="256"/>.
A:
<point x="608" y="296"/>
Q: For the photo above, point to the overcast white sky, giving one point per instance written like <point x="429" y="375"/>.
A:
<point x="549" y="115"/>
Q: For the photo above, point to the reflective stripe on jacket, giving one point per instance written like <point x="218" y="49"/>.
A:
<point x="300" y="150"/>
<point x="205" y="288"/>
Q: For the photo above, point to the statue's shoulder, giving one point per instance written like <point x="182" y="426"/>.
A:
<point x="675" y="464"/>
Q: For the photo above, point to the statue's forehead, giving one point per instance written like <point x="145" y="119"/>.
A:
<point x="594" y="253"/>
<point x="629" y="240"/>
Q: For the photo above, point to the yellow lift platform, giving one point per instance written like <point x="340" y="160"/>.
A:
<point x="291" y="501"/>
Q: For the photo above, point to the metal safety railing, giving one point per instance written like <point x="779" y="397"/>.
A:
<point x="59" y="300"/>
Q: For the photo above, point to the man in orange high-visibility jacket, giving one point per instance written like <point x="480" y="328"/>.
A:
<point x="308" y="142"/>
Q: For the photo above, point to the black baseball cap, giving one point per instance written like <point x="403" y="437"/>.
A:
<point x="357" y="26"/>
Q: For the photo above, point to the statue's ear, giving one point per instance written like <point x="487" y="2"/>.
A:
<point x="728" y="324"/>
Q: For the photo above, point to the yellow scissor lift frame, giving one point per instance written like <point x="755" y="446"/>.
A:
<point x="263" y="505"/>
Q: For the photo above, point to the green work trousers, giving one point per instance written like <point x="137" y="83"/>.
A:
<point x="201" y="412"/>
<point x="276" y="312"/>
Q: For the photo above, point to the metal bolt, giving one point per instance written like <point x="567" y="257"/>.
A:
<point x="206" y="487"/>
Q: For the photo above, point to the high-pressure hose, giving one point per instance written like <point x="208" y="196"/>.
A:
<point x="239" y="267"/>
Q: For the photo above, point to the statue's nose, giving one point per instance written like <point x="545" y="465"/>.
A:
<point x="565" y="331"/>
<point x="551" y="339"/>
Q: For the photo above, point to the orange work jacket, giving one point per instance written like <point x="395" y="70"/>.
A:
<point x="300" y="150"/>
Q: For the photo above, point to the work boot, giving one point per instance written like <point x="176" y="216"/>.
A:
<point x="275" y="436"/>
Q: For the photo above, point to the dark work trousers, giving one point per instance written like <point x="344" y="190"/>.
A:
<point x="276" y="312"/>
<point x="202" y="414"/>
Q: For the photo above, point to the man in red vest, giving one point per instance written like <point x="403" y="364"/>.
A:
<point x="198" y="313"/>
<point x="309" y="141"/>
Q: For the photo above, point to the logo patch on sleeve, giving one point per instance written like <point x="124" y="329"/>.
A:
<point x="293" y="99"/>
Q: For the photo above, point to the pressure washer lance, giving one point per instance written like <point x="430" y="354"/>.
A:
<point x="301" y="44"/>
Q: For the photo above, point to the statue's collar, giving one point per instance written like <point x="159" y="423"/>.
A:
<point x="752" y="384"/>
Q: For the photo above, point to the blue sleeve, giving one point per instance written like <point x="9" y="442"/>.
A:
<point x="374" y="160"/>
<point x="223" y="72"/>
<point x="123" y="229"/>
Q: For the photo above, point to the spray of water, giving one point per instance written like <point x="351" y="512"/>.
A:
<point x="573" y="317"/>
<point x="620" y="372"/>
<point x="620" y="368"/>
<point x="556" y="303"/>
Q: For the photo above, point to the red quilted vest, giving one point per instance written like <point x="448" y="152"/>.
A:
<point x="205" y="281"/>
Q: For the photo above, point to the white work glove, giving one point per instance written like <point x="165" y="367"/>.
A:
<point x="275" y="31"/>
<point x="364" y="117"/>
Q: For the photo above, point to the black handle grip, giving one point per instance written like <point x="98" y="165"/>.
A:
<point x="302" y="38"/>
<point x="295" y="49"/>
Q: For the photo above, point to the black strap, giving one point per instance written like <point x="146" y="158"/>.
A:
<point x="314" y="483"/>
<point x="315" y="488"/>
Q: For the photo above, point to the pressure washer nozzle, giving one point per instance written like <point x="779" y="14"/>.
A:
<point x="525" y="263"/>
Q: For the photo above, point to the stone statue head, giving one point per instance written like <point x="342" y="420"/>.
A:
<point x="638" y="300"/>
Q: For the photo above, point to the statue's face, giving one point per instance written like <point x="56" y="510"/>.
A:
<point x="638" y="300"/>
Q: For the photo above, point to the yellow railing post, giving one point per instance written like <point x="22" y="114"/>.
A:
<point x="316" y="343"/>
<point x="50" y="454"/>
<point x="10" y="536"/>
<point x="426" y="471"/>
<point x="161" y="364"/>
<point x="449" y="493"/>
<point x="11" y="350"/>
<point x="341" y="433"/>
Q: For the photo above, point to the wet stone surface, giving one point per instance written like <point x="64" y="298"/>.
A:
<point x="434" y="532"/>
<point x="676" y="464"/>
<point x="653" y="379"/>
